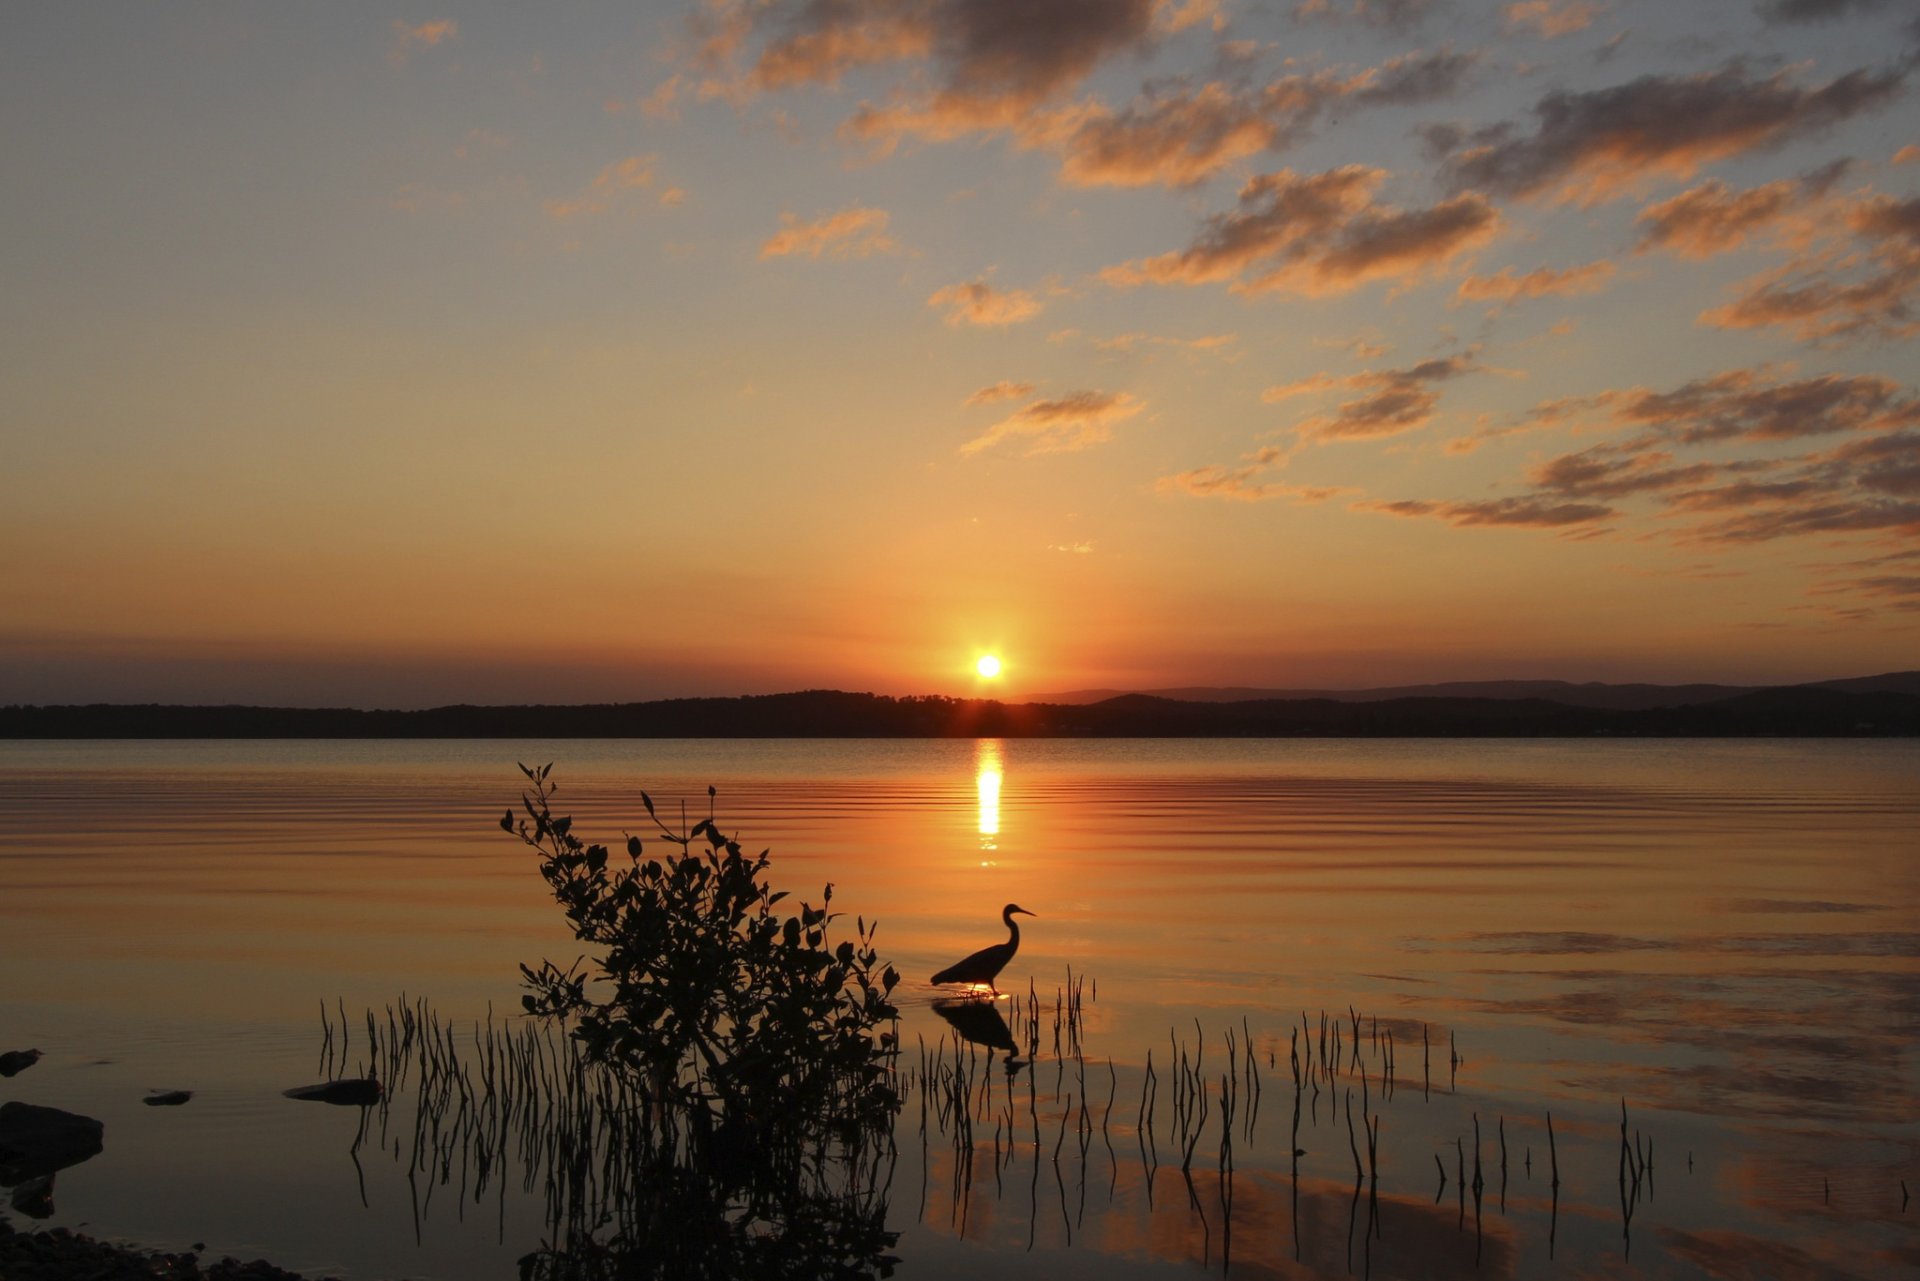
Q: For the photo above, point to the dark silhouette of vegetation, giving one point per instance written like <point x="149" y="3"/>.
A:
<point x="1801" y="710"/>
<point x="742" y="1061"/>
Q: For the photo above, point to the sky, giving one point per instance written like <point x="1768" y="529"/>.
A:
<point x="490" y="352"/>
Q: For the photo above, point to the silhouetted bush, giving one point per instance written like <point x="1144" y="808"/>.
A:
<point x="702" y="986"/>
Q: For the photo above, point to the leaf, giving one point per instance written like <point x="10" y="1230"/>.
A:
<point x="648" y="802"/>
<point x="506" y="821"/>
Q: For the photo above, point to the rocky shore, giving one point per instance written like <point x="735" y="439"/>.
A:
<point x="58" y="1254"/>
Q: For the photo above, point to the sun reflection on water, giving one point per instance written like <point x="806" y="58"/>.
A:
<point x="987" y="776"/>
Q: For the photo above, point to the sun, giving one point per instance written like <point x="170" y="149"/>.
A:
<point x="988" y="666"/>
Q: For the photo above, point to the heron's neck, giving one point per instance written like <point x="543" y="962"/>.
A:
<point x="1013" y="928"/>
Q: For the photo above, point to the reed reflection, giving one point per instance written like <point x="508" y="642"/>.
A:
<point x="987" y="779"/>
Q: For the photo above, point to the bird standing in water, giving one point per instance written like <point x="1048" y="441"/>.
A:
<point x="983" y="966"/>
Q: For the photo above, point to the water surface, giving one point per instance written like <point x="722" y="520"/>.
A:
<point x="1721" y="934"/>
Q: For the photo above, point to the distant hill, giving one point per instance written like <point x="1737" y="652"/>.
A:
<point x="1632" y="697"/>
<point x="1878" y="706"/>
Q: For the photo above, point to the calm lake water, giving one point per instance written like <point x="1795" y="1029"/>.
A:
<point x="1725" y="936"/>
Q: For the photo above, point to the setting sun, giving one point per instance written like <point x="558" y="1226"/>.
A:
<point x="988" y="666"/>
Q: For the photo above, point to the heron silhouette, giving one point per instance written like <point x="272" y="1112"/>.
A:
<point x="983" y="966"/>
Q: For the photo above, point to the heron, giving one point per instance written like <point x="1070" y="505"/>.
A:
<point x="984" y="965"/>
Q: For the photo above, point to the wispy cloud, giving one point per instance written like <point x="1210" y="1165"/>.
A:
<point x="1248" y="481"/>
<point x="1599" y="144"/>
<point x="977" y="303"/>
<point x="1391" y="15"/>
<point x="608" y="188"/>
<point x="1071" y="422"/>
<point x="1509" y="286"/>
<point x="407" y="38"/>
<point x="1318" y="234"/>
<point x="1179" y="136"/>
<point x="1549" y="20"/>
<point x="854" y="232"/>
<point x="1841" y="295"/>
<point x="1525" y="513"/>
<point x="999" y="391"/>
<point x="1396" y="400"/>
<point x="1713" y="218"/>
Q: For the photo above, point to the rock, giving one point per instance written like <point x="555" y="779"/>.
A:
<point x="37" y="1140"/>
<point x="349" y="1093"/>
<point x="34" y="1198"/>
<point x="14" y="1062"/>
<point x="167" y="1098"/>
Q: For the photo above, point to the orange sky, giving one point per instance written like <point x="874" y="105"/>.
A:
<point x="397" y="359"/>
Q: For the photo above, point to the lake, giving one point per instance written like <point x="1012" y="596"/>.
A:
<point x="1720" y="937"/>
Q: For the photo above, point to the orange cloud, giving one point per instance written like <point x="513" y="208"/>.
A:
<point x="1397" y="400"/>
<point x="1551" y="21"/>
<point x="1236" y="484"/>
<point x="827" y="41"/>
<point x="1317" y="235"/>
<point x="1868" y="484"/>
<point x="1599" y="144"/>
<point x="1838" y="298"/>
<point x="997" y="392"/>
<point x="852" y="233"/>
<point x="1519" y="512"/>
<point x="1072" y="422"/>
<point x="978" y="303"/>
<point x="1183" y="137"/>
<point x="1242" y="483"/>
<point x="612" y="182"/>
<point x="1302" y="387"/>
<point x="407" y="38"/>
<point x="1001" y="62"/>
<point x="1713" y="218"/>
<point x="1504" y="286"/>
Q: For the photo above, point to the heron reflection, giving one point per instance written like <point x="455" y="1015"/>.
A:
<point x="981" y="1023"/>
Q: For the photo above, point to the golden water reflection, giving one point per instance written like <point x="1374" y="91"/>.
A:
<point x="987" y="779"/>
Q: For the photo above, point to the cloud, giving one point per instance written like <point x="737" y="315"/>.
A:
<point x="1318" y="234"/>
<point x="1390" y="15"/>
<point x="609" y="185"/>
<point x="1504" y="286"/>
<point x="1712" y="218"/>
<point x="1243" y="483"/>
<point x="1179" y="136"/>
<point x="1841" y="296"/>
<point x="978" y="303"/>
<point x="1519" y="512"/>
<point x="1001" y="59"/>
<point x="1610" y="471"/>
<point x="1397" y="400"/>
<point x="1074" y="421"/>
<point x="1747" y="404"/>
<point x="407" y="38"/>
<point x="854" y="232"/>
<point x="1907" y="154"/>
<point x="1301" y="387"/>
<point x="1548" y="20"/>
<point x="994" y="392"/>
<point x="1237" y="484"/>
<point x="1129" y="342"/>
<point x="1595" y="145"/>
<point x="1869" y="483"/>
<point x="827" y="38"/>
<point x="1817" y="10"/>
